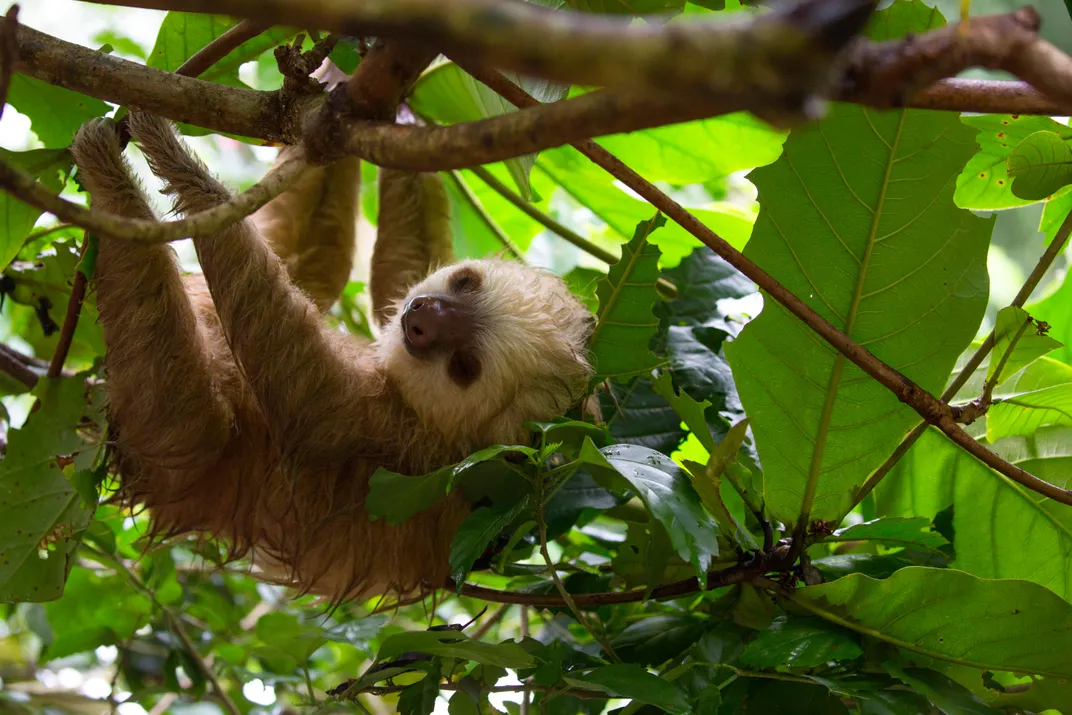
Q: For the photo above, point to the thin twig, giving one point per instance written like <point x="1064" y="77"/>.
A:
<point x="213" y="52"/>
<point x="490" y="622"/>
<point x="70" y="319"/>
<point x="174" y="622"/>
<point x="1029" y="286"/>
<point x="16" y="368"/>
<point x="597" y="634"/>
<point x="930" y="408"/>
<point x="569" y="235"/>
<point x="205" y="223"/>
<point x="9" y="52"/>
<point x="485" y="217"/>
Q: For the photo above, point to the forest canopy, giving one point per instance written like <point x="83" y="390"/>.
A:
<point x="824" y="246"/>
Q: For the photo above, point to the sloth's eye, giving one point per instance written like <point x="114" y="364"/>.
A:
<point x="465" y="280"/>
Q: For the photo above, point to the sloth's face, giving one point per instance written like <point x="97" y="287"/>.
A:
<point x="480" y="347"/>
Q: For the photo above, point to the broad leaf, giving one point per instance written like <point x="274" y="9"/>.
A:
<point x="419" y="698"/>
<point x="636" y="414"/>
<point x="985" y="184"/>
<point x="953" y="616"/>
<point x="42" y="513"/>
<point x="1054" y="309"/>
<point x="1017" y="343"/>
<point x="48" y="166"/>
<point x="477" y="532"/>
<point x="894" y="531"/>
<point x="397" y="497"/>
<point x="1040" y="166"/>
<point x="667" y="494"/>
<point x="625" y="324"/>
<point x="55" y="113"/>
<point x="455" y="644"/>
<point x="948" y="695"/>
<point x="858" y="220"/>
<point x="1024" y="413"/>
<point x="654" y="640"/>
<point x="627" y="680"/>
<point x="801" y="643"/>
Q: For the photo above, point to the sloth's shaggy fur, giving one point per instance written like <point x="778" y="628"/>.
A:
<point x="238" y="414"/>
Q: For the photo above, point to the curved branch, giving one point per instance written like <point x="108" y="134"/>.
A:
<point x="929" y="407"/>
<point x="214" y="51"/>
<point x="23" y="186"/>
<point x="788" y="51"/>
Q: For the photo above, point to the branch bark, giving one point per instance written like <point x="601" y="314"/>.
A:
<point x="786" y="51"/>
<point x="9" y="52"/>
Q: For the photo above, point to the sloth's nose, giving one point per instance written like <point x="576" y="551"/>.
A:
<point x="432" y="322"/>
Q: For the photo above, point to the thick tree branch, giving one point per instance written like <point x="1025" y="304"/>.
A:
<point x="219" y="48"/>
<point x="16" y="368"/>
<point x="930" y="408"/>
<point x="23" y="187"/>
<point x="9" y="52"/>
<point x="987" y="96"/>
<point x="183" y="99"/>
<point x="787" y="51"/>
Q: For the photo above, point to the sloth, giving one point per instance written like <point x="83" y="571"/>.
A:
<point x="238" y="414"/>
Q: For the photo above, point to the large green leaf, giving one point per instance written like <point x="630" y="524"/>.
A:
<point x="894" y="532"/>
<point x="667" y="494"/>
<point x="42" y="511"/>
<point x="857" y="219"/>
<point x="940" y="690"/>
<point x="625" y="324"/>
<point x="455" y="644"/>
<point x="1022" y="414"/>
<point x="953" y="616"/>
<point x="476" y="532"/>
<point x="985" y="184"/>
<point x="50" y="167"/>
<point x="628" y="680"/>
<point x="55" y="113"/>
<point x="801" y="643"/>
<point x="1055" y="309"/>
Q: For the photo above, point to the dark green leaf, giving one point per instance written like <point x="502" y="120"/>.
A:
<point x="793" y="699"/>
<point x="668" y="496"/>
<point x="453" y="644"/>
<point x="636" y="414"/>
<point x="419" y="698"/>
<point x="476" y="532"/>
<point x="627" y="680"/>
<point x="654" y="640"/>
<point x="626" y="325"/>
<point x="801" y="643"/>
<point x="948" y="695"/>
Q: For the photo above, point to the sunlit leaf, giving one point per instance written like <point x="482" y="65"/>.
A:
<point x="48" y="166"/>
<point x="1024" y="413"/>
<point x="1017" y="343"/>
<point x="1040" y="166"/>
<point x="627" y="680"/>
<point x="55" y="113"/>
<point x="893" y="531"/>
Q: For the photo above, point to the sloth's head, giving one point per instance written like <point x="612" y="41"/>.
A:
<point x="480" y="347"/>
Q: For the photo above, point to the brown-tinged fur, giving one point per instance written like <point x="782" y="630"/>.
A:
<point x="240" y="415"/>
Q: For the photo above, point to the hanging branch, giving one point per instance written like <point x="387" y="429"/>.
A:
<point x="930" y="408"/>
<point x="9" y="52"/>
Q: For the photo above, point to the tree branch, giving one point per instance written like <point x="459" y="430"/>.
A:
<point x="219" y="48"/>
<point x="9" y="52"/>
<point x="930" y="408"/>
<point x="70" y="319"/>
<point x="16" y="368"/>
<point x="788" y="51"/>
<point x="205" y="223"/>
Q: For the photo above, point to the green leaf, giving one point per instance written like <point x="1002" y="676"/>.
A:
<point x="449" y="95"/>
<point x="628" y="7"/>
<point x="50" y="167"/>
<point x="1014" y="324"/>
<point x="636" y="414"/>
<point x="42" y="514"/>
<point x="1024" y="413"/>
<point x="182" y="34"/>
<point x="419" y="698"/>
<point x="948" y="695"/>
<point x="397" y="497"/>
<point x="625" y="324"/>
<point x="985" y="184"/>
<point x="627" y="680"/>
<point x="1054" y="309"/>
<point x="857" y="219"/>
<point x="55" y="113"/>
<point x="455" y="644"/>
<point x="1040" y="166"/>
<point x="667" y="495"/>
<point x="95" y="610"/>
<point x="689" y="410"/>
<point x="893" y="531"/>
<point x="462" y="704"/>
<point x="793" y="699"/>
<point x="476" y="532"/>
<point x="657" y="639"/>
<point x="953" y="616"/>
<point x="800" y="643"/>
